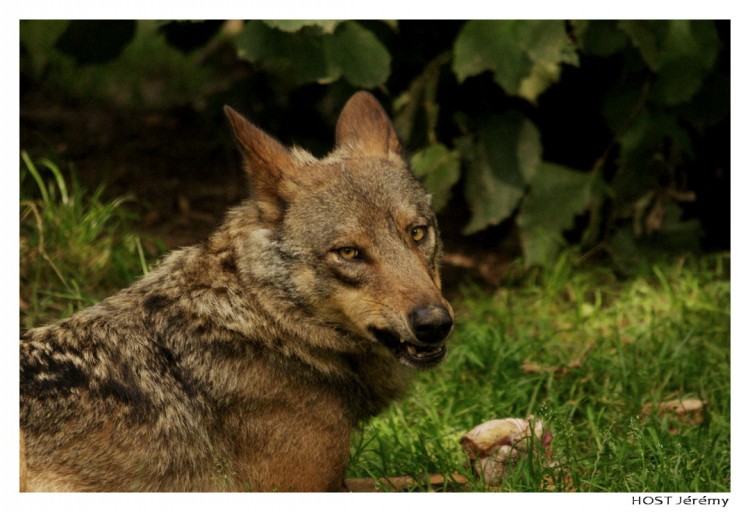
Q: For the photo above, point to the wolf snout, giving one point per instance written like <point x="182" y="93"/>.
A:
<point x="431" y="324"/>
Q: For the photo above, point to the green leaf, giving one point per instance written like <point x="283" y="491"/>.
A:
<point x="38" y="38"/>
<point x="300" y="56"/>
<point x="680" y="52"/>
<point x="711" y="104"/>
<point x="648" y="132"/>
<point x="677" y="82"/>
<point x="491" y="46"/>
<point x="645" y="36"/>
<point x="41" y="34"/>
<point x="188" y="36"/>
<point x="419" y="105"/>
<point x="675" y="237"/>
<point x="602" y="38"/>
<point x="360" y="56"/>
<point x="624" y="100"/>
<point x="311" y="55"/>
<point x="501" y="161"/>
<point x="660" y="42"/>
<point x="556" y="195"/>
<point x="327" y="26"/>
<point x="641" y="161"/>
<point x="96" y="41"/>
<point x="525" y="55"/>
<point x="439" y="169"/>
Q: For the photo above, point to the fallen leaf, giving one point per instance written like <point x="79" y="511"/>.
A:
<point x="681" y="412"/>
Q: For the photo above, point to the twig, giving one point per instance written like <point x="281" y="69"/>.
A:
<point x="402" y="483"/>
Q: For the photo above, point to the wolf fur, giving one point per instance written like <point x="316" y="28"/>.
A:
<point x="245" y="362"/>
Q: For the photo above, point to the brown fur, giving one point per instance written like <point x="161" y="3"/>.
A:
<point x="245" y="362"/>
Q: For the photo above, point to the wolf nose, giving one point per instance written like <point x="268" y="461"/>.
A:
<point x="431" y="324"/>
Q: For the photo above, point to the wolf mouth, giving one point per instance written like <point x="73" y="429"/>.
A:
<point x="408" y="352"/>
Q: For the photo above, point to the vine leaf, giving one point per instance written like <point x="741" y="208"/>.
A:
<point x="110" y="39"/>
<point x="320" y="52"/>
<point x="680" y="52"/>
<point x="501" y="162"/>
<point x="327" y="26"/>
<point x="439" y="168"/>
<point x="525" y="55"/>
<point x="359" y="55"/>
<point x="556" y="195"/>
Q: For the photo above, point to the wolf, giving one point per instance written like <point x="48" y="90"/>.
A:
<point x="247" y="361"/>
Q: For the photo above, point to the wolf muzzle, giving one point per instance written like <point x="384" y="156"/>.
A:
<point x="431" y="324"/>
<point x="425" y="348"/>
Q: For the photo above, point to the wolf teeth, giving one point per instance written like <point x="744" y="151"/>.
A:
<point x="403" y="340"/>
<point x="411" y="349"/>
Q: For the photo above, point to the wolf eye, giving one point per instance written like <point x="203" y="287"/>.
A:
<point x="418" y="233"/>
<point x="348" y="253"/>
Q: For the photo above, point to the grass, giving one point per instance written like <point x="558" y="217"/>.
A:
<point x="75" y="247"/>
<point x="578" y="347"/>
<point x="588" y="354"/>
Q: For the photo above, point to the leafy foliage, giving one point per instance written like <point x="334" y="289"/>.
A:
<point x="111" y="39"/>
<point x="440" y="169"/>
<point x="316" y="51"/>
<point x="556" y="195"/>
<point x="479" y="104"/>
<point x="526" y="56"/>
<point x="502" y="161"/>
<point x="681" y="52"/>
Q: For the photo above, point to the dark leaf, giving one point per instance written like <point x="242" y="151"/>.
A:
<point x="525" y="55"/>
<point x="96" y="41"/>
<point x="360" y="56"/>
<point x="602" y="38"/>
<point x="501" y="161"/>
<point x="680" y="52"/>
<point x="327" y="26"/>
<point x="556" y="195"/>
<point x="300" y="57"/>
<point x="190" y="35"/>
<point x="439" y="169"/>
<point x="311" y="55"/>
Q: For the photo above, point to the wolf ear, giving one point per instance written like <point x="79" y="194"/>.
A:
<point x="265" y="159"/>
<point x="365" y="127"/>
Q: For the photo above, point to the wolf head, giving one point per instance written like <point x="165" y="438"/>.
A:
<point x="350" y="238"/>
